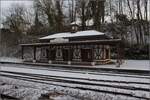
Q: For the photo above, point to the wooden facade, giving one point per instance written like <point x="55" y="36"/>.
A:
<point x="91" y="52"/>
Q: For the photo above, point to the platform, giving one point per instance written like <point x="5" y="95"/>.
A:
<point x="128" y="65"/>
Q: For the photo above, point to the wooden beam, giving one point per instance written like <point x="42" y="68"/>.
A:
<point x="49" y="56"/>
<point x="69" y="55"/>
<point x="22" y="52"/>
<point x="118" y="55"/>
<point x="93" y="42"/>
<point x="109" y="52"/>
<point x="104" y="52"/>
<point x="93" y="60"/>
<point x="34" y="53"/>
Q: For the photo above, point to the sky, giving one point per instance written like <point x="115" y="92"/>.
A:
<point x="5" y="4"/>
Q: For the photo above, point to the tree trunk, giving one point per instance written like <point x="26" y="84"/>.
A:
<point x="83" y="15"/>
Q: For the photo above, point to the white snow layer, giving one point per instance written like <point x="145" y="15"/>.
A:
<point x="9" y="59"/>
<point x="32" y="91"/>
<point x="68" y="34"/>
<point x="76" y="75"/>
<point x="90" y="22"/>
<point x="129" y="64"/>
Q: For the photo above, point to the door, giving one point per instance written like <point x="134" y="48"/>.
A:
<point x="52" y="54"/>
<point x="65" y="54"/>
<point x="47" y="54"/>
<point x="107" y="54"/>
<point x="86" y="55"/>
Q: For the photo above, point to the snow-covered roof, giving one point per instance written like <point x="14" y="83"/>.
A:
<point x="69" y="34"/>
<point x="108" y="19"/>
<point x="78" y="22"/>
<point x="86" y="33"/>
<point x="57" y="35"/>
<point x="90" y="22"/>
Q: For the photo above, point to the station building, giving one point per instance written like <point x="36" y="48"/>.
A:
<point x="75" y="48"/>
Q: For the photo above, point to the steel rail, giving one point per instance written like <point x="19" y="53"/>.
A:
<point x="39" y="78"/>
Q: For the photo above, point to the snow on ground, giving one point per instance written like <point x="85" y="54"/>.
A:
<point x="9" y="59"/>
<point x="129" y="64"/>
<point x="27" y="90"/>
<point x="90" y="76"/>
<point x="70" y="74"/>
<point x="32" y="91"/>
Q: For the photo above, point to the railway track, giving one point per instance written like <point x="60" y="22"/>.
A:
<point x="6" y="97"/>
<point x="87" y="71"/>
<point x="85" y="84"/>
<point x="69" y="68"/>
<point x="97" y="80"/>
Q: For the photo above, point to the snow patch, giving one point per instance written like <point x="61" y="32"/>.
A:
<point x="68" y="34"/>
<point x="9" y="59"/>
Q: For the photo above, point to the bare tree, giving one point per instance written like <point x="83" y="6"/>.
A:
<point x="53" y="10"/>
<point x="59" y="16"/>
<point x="72" y="10"/>
<point x="81" y="10"/>
<point x="15" y="25"/>
<point x="16" y="19"/>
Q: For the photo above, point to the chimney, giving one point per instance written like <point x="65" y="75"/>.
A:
<point x="74" y="28"/>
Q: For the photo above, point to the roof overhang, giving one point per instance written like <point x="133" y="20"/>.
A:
<point x="91" y="42"/>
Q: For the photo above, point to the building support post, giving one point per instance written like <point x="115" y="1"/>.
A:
<point x="69" y="56"/>
<point x="104" y="54"/>
<point x="122" y="55"/>
<point x="109" y="52"/>
<point x="118" y="63"/>
<point x="49" y="60"/>
<point x="59" y="56"/>
<point x="93" y="62"/>
<point x="34" y="54"/>
<point x="22" y="52"/>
